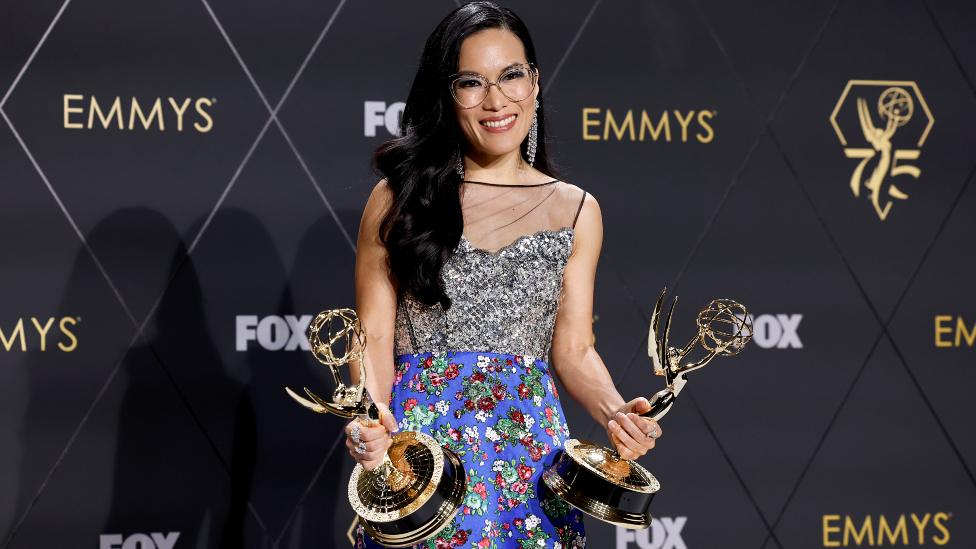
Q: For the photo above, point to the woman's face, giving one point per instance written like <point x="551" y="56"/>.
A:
<point x="489" y="53"/>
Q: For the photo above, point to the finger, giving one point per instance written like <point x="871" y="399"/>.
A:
<point x="619" y="447"/>
<point x="627" y="422"/>
<point x="374" y="432"/>
<point x="378" y="445"/>
<point x="638" y="444"/>
<point x="351" y="446"/>
<point x="628" y="441"/>
<point x="355" y="447"/>
<point x="622" y="450"/>
<point x="390" y="422"/>
<point x="647" y="443"/>
<point x="648" y="429"/>
<point x="641" y="405"/>
<point x="371" y="464"/>
<point x="366" y="452"/>
<point x="369" y="461"/>
<point x="360" y="430"/>
<point x="373" y="458"/>
<point x="373" y="438"/>
<point x="386" y="423"/>
<point x="653" y="428"/>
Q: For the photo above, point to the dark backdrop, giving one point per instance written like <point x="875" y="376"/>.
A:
<point x="156" y="266"/>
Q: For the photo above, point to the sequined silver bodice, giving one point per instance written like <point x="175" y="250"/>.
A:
<point x="503" y="301"/>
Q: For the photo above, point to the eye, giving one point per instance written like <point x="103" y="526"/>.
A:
<point x="467" y="82"/>
<point x="515" y="74"/>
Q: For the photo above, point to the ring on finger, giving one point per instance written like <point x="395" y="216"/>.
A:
<point x="653" y="433"/>
<point x="354" y="432"/>
<point x="361" y="448"/>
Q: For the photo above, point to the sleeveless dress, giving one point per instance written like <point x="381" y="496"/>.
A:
<point x="476" y="377"/>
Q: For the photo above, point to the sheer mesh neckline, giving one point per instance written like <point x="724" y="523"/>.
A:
<point x="511" y="185"/>
<point x="499" y="217"/>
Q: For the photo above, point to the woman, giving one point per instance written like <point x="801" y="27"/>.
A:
<point x="474" y="268"/>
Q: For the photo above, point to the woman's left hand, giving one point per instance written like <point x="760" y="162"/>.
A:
<point x="632" y="436"/>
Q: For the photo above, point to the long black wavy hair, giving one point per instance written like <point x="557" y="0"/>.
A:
<point x="424" y="224"/>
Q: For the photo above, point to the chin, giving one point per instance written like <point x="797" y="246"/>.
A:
<point x="498" y="149"/>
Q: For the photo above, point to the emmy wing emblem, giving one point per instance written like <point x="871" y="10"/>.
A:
<point x="418" y="488"/>
<point x="593" y="478"/>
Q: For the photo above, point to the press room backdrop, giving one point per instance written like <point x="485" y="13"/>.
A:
<point x="181" y="189"/>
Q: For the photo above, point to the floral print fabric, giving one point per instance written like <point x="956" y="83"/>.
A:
<point x="500" y="414"/>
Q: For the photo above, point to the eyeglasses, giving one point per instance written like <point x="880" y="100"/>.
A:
<point x="516" y="83"/>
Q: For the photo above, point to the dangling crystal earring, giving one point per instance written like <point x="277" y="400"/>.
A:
<point x="459" y="165"/>
<point x="533" y="134"/>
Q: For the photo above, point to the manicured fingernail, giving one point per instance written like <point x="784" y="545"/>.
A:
<point x="613" y="424"/>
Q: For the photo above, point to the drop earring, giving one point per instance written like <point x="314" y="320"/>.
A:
<point x="533" y="134"/>
<point x="459" y="164"/>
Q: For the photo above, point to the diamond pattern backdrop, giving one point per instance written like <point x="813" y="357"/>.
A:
<point x="136" y="411"/>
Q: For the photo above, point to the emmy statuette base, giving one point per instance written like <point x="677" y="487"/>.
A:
<point x="433" y="502"/>
<point x="596" y="481"/>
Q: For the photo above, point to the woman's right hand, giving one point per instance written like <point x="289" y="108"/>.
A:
<point x="374" y="439"/>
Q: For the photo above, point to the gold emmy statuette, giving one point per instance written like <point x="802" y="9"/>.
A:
<point x="419" y="487"/>
<point x="594" y="479"/>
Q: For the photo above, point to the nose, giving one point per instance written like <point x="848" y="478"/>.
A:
<point x="495" y="99"/>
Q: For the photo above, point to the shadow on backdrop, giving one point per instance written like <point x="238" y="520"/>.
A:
<point x="166" y="463"/>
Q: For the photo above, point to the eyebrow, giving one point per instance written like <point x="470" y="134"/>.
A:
<point x="517" y="63"/>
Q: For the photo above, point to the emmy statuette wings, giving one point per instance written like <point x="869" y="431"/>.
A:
<point x="418" y="488"/>
<point x="595" y="479"/>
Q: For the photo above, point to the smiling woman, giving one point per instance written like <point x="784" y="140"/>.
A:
<point x="475" y="270"/>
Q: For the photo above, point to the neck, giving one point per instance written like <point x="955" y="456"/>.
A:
<point x="508" y="167"/>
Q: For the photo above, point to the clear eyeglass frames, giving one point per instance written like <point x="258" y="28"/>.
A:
<point x="516" y="83"/>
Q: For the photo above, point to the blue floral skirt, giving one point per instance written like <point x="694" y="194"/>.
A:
<point x="500" y="414"/>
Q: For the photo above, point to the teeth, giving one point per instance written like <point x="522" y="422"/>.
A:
<point x="498" y="123"/>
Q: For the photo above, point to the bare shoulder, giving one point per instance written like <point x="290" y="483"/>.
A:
<point x="380" y="197"/>
<point x="574" y="194"/>
<point x="379" y="202"/>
